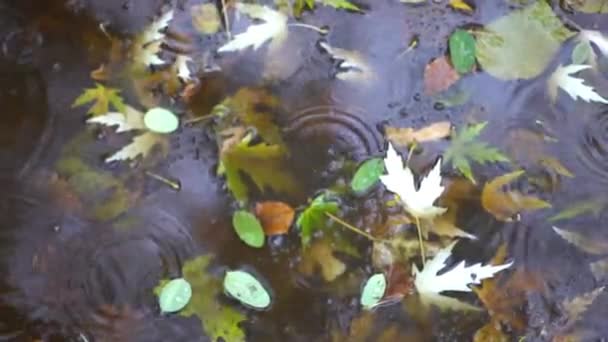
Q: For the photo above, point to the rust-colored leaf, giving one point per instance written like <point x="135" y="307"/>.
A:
<point x="276" y="217"/>
<point x="406" y="136"/>
<point x="491" y="332"/>
<point x="400" y="282"/>
<point x="439" y="75"/>
<point x="504" y="205"/>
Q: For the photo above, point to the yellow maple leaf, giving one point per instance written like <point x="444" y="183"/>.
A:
<point x="102" y="97"/>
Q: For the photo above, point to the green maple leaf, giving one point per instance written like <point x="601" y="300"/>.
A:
<point x="102" y="97"/>
<point x="313" y="218"/>
<point x="466" y="147"/>
<point x="265" y="164"/>
<point x="218" y="320"/>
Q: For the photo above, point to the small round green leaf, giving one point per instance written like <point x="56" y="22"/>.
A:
<point x="161" y="120"/>
<point x="245" y="288"/>
<point x="581" y="52"/>
<point x="248" y="228"/>
<point x="175" y="295"/>
<point x="373" y="290"/>
<point x="367" y="175"/>
<point x="462" y="51"/>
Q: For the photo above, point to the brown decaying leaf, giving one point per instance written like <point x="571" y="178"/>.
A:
<point x="321" y="255"/>
<point x="444" y="225"/>
<point x="504" y="205"/>
<point x="505" y="300"/>
<point x="406" y="136"/>
<point x="400" y="282"/>
<point x="576" y="307"/>
<point x="276" y="217"/>
<point x="439" y="75"/>
<point x="100" y="74"/>
<point x="491" y="332"/>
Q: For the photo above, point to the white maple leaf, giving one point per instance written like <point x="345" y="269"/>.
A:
<point x="575" y="87"/>
<point x="274" y="29"/>
<point x="132" y="119"/>
<point x="147" y="44"/>
<point x="400" y="180"/>
<point x="353" y="65"/>
<point x="181" y="67"/>
<point x="430" y="285"/>
<point x="141" y="145"/>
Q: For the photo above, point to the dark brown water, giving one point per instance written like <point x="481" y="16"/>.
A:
<point x="82" y="266"/>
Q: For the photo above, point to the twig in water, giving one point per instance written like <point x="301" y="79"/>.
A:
<point x="172" y="184"/>
<point x="353" y="228"/>
<point x="310" y="27"/>
<point x="419" y="230"/>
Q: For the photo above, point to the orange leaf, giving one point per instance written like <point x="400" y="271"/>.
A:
<point x="407" y="135"/>
<point x="276" y="217"/>
<point x="490" y="332"/>
<point x="504" y="205"/>
<point x="439" y="75"/>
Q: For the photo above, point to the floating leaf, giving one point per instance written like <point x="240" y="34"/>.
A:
<point x="320" y="256"/>
<point x="245" y="288"/>
<point x="175" y="295"/>
<point x="132" y="119"/>
<point x="148" y="44"/>
<point x="589" y="245"/>
<point x="181" y="69"/>
<point x="439" y="75"/>
<point x="576" y="307"/>
<point x="339" y="4"/>
<point x="373" y="291"/>
<point x="102" y="97"/>
<point x="462" y="51"/>
<point x="353" y="66"/>
<point x="491" y="332"/>
<point x="522" y="43"/>
<point x="141" y="145"/>
<point x="218" y="320"/>
<point x="465" y="146"/>
<point x="161" y="120"/>
<point x="276" y="217"/>
<point x="407" y="136"/>
<point x="593" y="206"/>
<point x="248" y="228"/>
<point x="367" y="175"/>
<point x="582" y="53"/>
<point x="504" y="205"/>
<point x="206" y="18"/>
<point x="461" y="5"/>
<point x="444" y="225"/>
<point x="575" y="87"/>
<point x="314" y="217"/>
<point x="274" y="29"/>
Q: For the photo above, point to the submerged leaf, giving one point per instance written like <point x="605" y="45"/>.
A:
<point x="439" y="75"/>
<point x="314" y="218"/>
<point x="248" y="228"/>
<point x="575" y="87"/>
<point x="582" y="53"/>
<point x="276" y="217"/>
<point x="576" y="307"/>
<point x="465" y="146"/>
<point x="367" y="175"/>
<point x="407" y="136"/>
<point x="141" y="145"/>
<point x="593" y="206"/>
<point x="462" y="51"/>
<point x="373" y="291"/>
<point x="522" y="43"/>
<point x="102" y="97"/>
<point x="246" y="289"/>
<point x="175" y="295"/>
<point x="586" y="244"/>
<point x="206" y="18"/>
<point x="320" y="256"/>
<point x="218" y="320"/>
<point x="504" y="205"/>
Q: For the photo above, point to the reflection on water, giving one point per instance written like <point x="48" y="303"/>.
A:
<point x="70" y="275"/>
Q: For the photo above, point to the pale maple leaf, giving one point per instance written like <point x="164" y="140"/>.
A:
<point x="575" y="87"/>
<point x="400" y="180"/>
<point x="430" y="285"/>
<point x="148" y="44"/>
<point x="131" y="119"/>
<point x="141" y="145"/>
<point x="181" y="67"/>
<point x="274" y="29"/>
<point x="353" y="65"/>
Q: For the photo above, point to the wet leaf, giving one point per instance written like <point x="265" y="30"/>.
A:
<point x="439" y="75"/>
<point x="248" y="228"/>
<point x="593" y="206"/>
<point x="591" y="245"/>
<point x="253" y="107"/>
<point x="576" y="307"/>
<point x="266" y="165"/>
<point x="553" y="164"/>
<point x="245" y="288"/>
<point x="132" y="119"/>
<point x="599" y="269"/>
<point x="206" y="18"/>
<point x="444" y="225"/>
<point x="522" y="43"/>
<point x="141" y="145"/>
<point x="276" y="217"/>
<point x="148" y="44"/>
<point x="181" y="69"/>
<point x="582" y="53"/>
<point x="218" y="320"/>
<point x="461" y="5"/>
<point x="462" y="51"/>
<point x="373" y="291"/>
<point x="320" y="256"/>
<point x="274" y="29"/>
<point x="504" y="205"/>
<point x="575" y="87"/>
<point x="175" y="295"/>
<point x="589" y="6"/>
<point x="407" y="136"/>
<point x="400" y="181"/>
<point x="160" y="120"/>
<point x="353" y="66"/>
<point x="102" y="97"/>
<point x="491" y="332"/>
<point x="314" y="218"/>
<point x="340" y="4"/>
<point x="367" y="175"/>
<point x="465" y="146"/>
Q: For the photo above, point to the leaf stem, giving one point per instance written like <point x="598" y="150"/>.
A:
<point x="422" y="256"/>
<point x="353" y="228"/>
<point x="200" y="118"/>
<point x="311" y="27"/>
<point x="172" y="184"/>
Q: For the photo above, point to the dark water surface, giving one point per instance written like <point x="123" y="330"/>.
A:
<point x="84" y="270"/>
